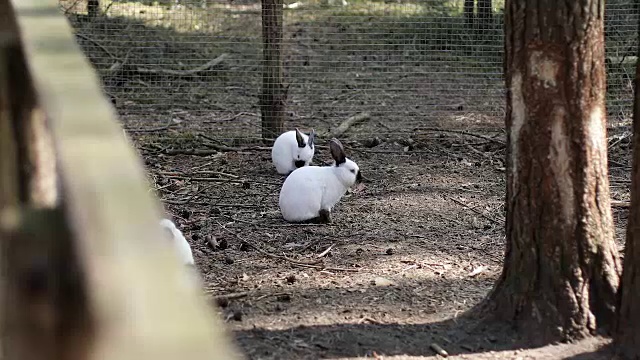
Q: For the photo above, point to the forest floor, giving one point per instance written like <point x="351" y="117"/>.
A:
<point x="409" y="252"/>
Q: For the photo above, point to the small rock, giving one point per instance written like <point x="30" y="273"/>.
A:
<point x="228" y="260"/>
<point x="389" y="251"/>
<point x="223" y="244"/>
<point x="291" y="279"/>
<point x="246" y="185"/>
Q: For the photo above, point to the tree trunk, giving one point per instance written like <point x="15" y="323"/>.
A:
<point x="468" y="13"/>
<point x="561" y="269"/>
<point x="274" y="92"/>
<point x="485" y="14"/>
<point x="627" y="334"/>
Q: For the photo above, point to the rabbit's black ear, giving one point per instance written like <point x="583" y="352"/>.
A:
<point x="300" y="139"/>
<point x="337" y="151"/>
<point x="312" y="138"/>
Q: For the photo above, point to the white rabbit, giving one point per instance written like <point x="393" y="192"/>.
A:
<point x="309" y="193"/>
<point x="183" y="250"/>
<point x="291" y="150"/>
<point x="179" y="242"/>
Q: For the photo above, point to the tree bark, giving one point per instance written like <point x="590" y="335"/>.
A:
<point x="274" y="92"/>
<point x="561" y="268"/>
<point x="469" y="13"/>
<point x="627" y="334"/>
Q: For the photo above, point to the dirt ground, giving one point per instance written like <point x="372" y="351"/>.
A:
<point x="407" y="255"/>
<point x="409" y="252"/>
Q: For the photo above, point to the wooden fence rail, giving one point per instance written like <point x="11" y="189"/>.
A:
<point x="84" y="274"/>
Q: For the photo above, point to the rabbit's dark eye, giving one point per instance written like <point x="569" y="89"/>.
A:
<point x="353" y="171"/>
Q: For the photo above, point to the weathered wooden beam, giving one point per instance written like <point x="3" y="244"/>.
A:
<point x="9" y="180"/>
<point x="134" y="284"/>
<point x="47" y="314"/>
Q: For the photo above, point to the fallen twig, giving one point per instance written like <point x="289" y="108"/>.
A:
<point x="371" y="320"/>
<point x="188" y="198"/>
<point x="621" y="204"/>
<point x="207" y="172"/>
<point x="98" y="45"/>
<point x="222" y="180"/>
<point x="619" y="138"/>
<point x="263" y="252"/>
<point x="226" y="148"/>
<point x="347" y="123"/>
<point x="326" y="251"/>
<point x="208" y="65"/>
<point x="476" y="211"/>
<point x="270" y="295"/>
<point x="461" y="132"/>
<point x="438" y="350"/>
<point x="326" y="268"/>
<point x="232" y="296"/>
<point x="197" y="152"/>
<point x="161" y="128"/>
<point x="231" y="117"/>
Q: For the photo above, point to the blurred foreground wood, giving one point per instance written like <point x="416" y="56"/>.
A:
<point x="84" y="272"/>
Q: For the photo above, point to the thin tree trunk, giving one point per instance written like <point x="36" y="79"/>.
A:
<point x="274" y="92"/>
<point x="561" y="268"/>
<point x="469" y="13"/>
<point x="627" y="334"/>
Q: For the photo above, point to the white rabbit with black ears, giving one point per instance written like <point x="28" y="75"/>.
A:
<point x="309" y="193"/>
<point x="293" y="149"/>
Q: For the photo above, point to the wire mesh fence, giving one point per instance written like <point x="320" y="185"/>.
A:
<point x="408" y="64"/>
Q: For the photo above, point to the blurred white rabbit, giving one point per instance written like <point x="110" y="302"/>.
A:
<point x="183" y="251"/>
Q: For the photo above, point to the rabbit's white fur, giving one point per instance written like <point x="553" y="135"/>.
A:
<point x="179" y="242"/>
<point x="183" y="251"/>
<point x="310" y="189"/>
<point x="292" y="146"/>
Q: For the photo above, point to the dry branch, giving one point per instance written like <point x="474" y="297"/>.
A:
<point x="215" y="62"/>
<point x="620" y="204"/>
<point x="347" y="123"/>
<point x="197" y="152"/>
<point x="476" y="211"/>
<point x="98" y="45"/>
<point x="263" y="252"/>
<point x="222" y="180"/>
<point x="461" y="132"/>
